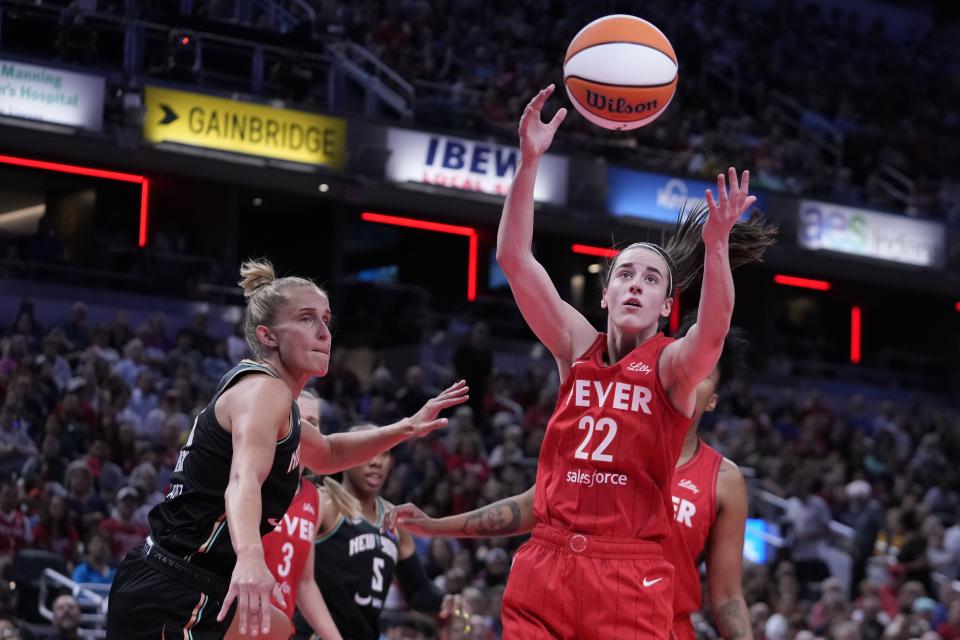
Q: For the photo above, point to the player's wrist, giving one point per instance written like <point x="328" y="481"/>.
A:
<point x="250" y="551"/>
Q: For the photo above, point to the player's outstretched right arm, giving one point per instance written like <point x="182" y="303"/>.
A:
<point x="508" y="517"/>
<point x="560" y="327"/>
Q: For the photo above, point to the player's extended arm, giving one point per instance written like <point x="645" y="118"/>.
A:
<point x="725" y="556"/>
<point x="331" y="454"/>
<point x="508" y="517"/>
<point x="252" y="411"/>
<point x="312" y="605"/>
<point x="560" y="327"/>
<point x="686" y="362"/>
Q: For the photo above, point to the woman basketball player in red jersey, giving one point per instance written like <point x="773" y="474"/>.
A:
<point x="594" y="567"/>
<point x="710" y="516"/>
<point x="288" y="549"/>
<point x="709" y="506"/>
<point x="203" y="563"/>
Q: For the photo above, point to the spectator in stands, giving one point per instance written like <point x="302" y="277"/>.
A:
<point x="51" y="357"/>
<point x="66" y="619"/>
<point x="144" y="479"/>
<point x="86" y="506"/>
<point x="865" y="515"/>
<point x="473" y="361"/>
<point x="76" y="329"/>
<point x="950" y="629"/>
<point x="101" y="349"/>
<point x="98" y="565"/>
<point x="16" y="446"/>
<point x="124" y="531"/>
<point x="15" y="533"/>
<point x="54" y="530"/>
<point x="132" y="365"/>
<point x="9" y="629"/>
<point x="808" y="516"/>
<point x="48" y="463"/>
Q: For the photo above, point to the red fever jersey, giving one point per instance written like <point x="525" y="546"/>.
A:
<point x="694" y="510"/>
<point x="287" y="547"/>
<point x="610" y="449"/>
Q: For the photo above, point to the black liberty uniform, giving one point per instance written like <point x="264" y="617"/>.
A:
<point x="354" y="567"/>
<point x="174" y="585"/>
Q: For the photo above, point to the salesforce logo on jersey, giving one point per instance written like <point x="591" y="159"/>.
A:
<point x="896" y="238"/>
<point x="470" y="165"/>
<point x="655" y="196"/>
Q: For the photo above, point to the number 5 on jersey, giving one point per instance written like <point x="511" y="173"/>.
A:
<point x="607" y="425"/>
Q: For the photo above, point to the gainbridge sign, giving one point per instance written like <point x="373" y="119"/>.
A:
<point x="243" y="127"/>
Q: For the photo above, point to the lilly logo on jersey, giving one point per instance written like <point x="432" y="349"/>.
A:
<point x="589" y="479"/>
<point x="639" y="367"/>
<point x="688" y="484"/>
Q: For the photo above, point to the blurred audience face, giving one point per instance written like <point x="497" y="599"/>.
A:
<point x="66" y="613"/>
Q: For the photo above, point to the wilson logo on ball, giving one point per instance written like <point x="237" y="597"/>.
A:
<point x="620" y="72"/>
<point x="617" y="105"/>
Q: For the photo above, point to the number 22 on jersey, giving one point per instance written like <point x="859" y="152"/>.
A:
<point x="607" y="426"/>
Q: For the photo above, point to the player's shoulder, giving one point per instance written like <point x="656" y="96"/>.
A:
<point x="731" y="484"/>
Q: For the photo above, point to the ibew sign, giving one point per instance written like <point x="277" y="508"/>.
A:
<point x="470" y="165"/>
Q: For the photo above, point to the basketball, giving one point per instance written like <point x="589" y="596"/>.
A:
<point x="620" y="72"/>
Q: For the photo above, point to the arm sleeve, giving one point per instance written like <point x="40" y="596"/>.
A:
<point x="420" y="592"/>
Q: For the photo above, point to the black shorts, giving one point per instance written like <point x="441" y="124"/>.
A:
<point x="154" y="599"/>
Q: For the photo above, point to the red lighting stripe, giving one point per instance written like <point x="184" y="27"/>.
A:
<point x="417" y="224"/>
<point x="587" y="250"/>
<point x="59" y="167"/>
<point x="855" y="335"/>
<point x="957" y="306"/>
<point x="425" y="225"/>
<point x="803" y="283"/>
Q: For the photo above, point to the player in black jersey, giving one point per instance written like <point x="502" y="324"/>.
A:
<point x="237" y="473"/>
<point x="355" y="562"/>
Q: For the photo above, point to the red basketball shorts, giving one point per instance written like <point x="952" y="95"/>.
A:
<point x="566" y="585"/>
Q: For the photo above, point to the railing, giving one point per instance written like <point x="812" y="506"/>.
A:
<point x="824" y="134"/>
<point x="378" y="81"/>
<point x="91" y="598"/>
<point x="895" y="184"/>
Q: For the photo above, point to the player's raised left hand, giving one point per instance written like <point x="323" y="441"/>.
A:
<point x="426" y="420"/>
<point x="728" y="206"/>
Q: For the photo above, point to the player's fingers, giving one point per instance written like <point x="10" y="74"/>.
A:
<point x="745" y="182"/>
<point x="265" y="613"/>
<point x="734" y="183"/>
<point x="711" y="203"/>
<point x="243" y="611"/>
<point x="721" y="189"/>
<point x="231" y="596"/>
<point x="558" y="118"/>
<point x="452" y="401"/>
<point x="433" y="425"/>
<point x="748" y="203"/>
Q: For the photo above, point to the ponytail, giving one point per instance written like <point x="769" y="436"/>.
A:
<point x="345" y="504"/>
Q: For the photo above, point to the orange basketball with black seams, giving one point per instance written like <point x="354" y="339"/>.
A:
<point x="620" y="72"/>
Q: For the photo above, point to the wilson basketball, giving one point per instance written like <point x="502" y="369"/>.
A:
<point x="620" y="72"/>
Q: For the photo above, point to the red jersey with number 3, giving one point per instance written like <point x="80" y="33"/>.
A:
<point x="694" y="512"/>
<point x="607" y="459"/>
<point x="288" y="546"/>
